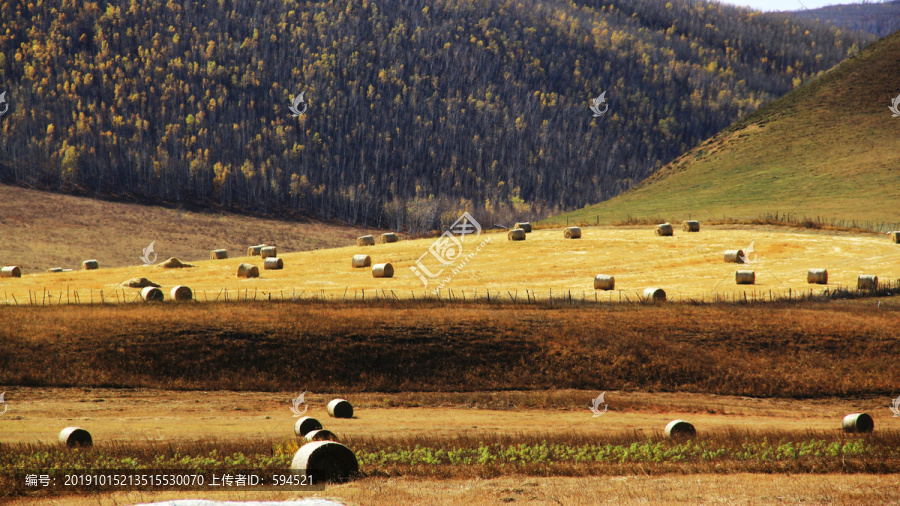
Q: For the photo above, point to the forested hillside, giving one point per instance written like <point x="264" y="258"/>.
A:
<point x="416" y="109"/>
<point x="880" y="19"/>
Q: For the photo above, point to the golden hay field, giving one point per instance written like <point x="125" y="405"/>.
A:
<point x="687" y="266"/>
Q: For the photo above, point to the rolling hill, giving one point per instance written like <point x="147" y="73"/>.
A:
<point x="878" y="18"/>
<point x="829" y="149"/>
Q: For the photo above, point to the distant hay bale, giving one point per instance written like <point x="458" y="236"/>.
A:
<point x="516" y="234"/>
<point x="75" y="436"/>
<point x="218" y="254"/>
<point x="247" y="271"/>
<point x="361" y="261"/>
<point x="90" y="265"/>
<point x="174" y="263"/>
<point x="734" y="256"/>
<point x="139" y="283"/>
<point x="858" y="423"/>
<point x="321" y="435"/>
<point x="655" y="294"/>
<point x="690" y="226"/>
<point x="679" y="429"/>
<point x="366" y="240"/>
<point x="273" y="264"/>
<point x="268" y="252"/>
<point x="572" y="233"/>
<point x="55" y="269"/>
<point x="388" y="237"/>
<point x="664" y="229"/>
<point x="181" y="293"/>
<point x="867" y="282"/>
<point x="325" y="461"/>
<point x="817" y="277"/>
<point x="526" y="226"/>
<point x="382" y="271"/>
<point x="895" y="236"/>
<point x="254" y="251"/>
<point x="152" y="294"/>
<point x="340" y="408"/>
<point x="745" y="277"/>
<point x="11" y="271"/>
<point x="604" y="282"/>
<point x="306" y="425"/>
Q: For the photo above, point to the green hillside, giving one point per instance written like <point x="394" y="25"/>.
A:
<point x="829" y="149"/>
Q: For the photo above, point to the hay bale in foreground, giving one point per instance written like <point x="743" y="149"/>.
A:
<point x="866" y="282"/>
<point x="268" y="252"/>
<point x="895" y="236"/>
<point x="340" y="408"/>
<point x="366" y="240"/>
<point x="526" y="226"/>
<point x="690" y="226"/>
<point x="858" y="423"/>
<point x="680" y="428"/>
<point x="139" y="283"/>
<point x="218" y="254"/>
<point x="152" y="294"/>
<point x="174" y="263"/>
<point x="55" y="269"/>
<point x="388" y="237"/>
<point x="734" y="256"/>
<point x="604" y="282"/>
<point x="321" y="435"/>
<point x="75" y="436"/>
<point x="273" y="263"/>
<point x="516" y="234"/>
<point x="181" y="293"/>
<point x="664" y="229"/>
<point x="655" y="294"/>
<point x="361" y="261"/>
<point x="11" y="271"/>
<point x="254" y="251"/>
<point x="817" y="277"/>
<point x="745" y="277"/>
<point x="247" y="271"/>
<point x="90" y="265"/>
<point x="325" y="461"/>
<point x="382" y="271"/>
<point x="306" y="425"/>
<point x="572" y="233"/>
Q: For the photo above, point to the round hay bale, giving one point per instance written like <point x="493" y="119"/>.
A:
<point x="604" y="282"/>
<point x="325" y="461"/>
<point x="382" y="271"/>
<point x="273" y="263"/>
<point x="664" y="229"/>
<point x="866" y="282"/>
<point x="75" y="436"/>
<point x="321" y="435"/>
<point x="254" y="251"/>
<point x="174" y="263"/>
<point x="745" y="277"/>
<point x="817" y="277"/>
<point x="361" y="261"/>
<point x="90" y="265"/>
<point x="268" y="252"/>
<point x="139" y="283"/>
<point x="572" y="233"/>
<point x="526" y="226"/>
<point x="181" y="293"/>
<point x="858" y="423"/>
<point x="690" y="226"/>
<point x="247" y="271"/>
<point x="366" y="240"/>
<point x="11" y="271"/>
<point x="218" y="254"/>
<point x="895" y="236"/>
<point x="388" y="237"/>
<point x="680" y="428"/>
<point x="55" y="269"/>
<point x="655" y="294"/>
<point x="340" y="408"/>
<point x="152" y="294"/>
<point x="516" y="234"/>
<point x="734" y="256"/>
<point x="306" y="425"/>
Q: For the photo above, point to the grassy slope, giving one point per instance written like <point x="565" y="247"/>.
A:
<point x="828" y="149"/>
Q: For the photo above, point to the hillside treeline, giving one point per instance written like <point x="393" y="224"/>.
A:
<point x="416" y="109"/>
<point x="880" y="19"/>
